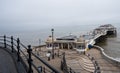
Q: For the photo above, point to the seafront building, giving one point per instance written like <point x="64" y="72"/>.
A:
<point x="67" y="42"/>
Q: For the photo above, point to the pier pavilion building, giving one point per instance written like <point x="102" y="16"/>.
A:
<point x="66" y="42"/>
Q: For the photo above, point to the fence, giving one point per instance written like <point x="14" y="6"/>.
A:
<point x="25" y="58"/>
<point x="64" y="66"/>
<point x="97" y="68"/>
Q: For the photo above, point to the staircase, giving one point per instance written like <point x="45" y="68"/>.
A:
<point x="86" y="64"/>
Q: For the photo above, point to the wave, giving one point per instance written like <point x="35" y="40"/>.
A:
<point x="118" y="59"/>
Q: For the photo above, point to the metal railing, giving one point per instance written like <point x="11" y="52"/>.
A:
<point x="97" y="68"/>
<point x="25" y="55"/>
<point x="64" y="66"/>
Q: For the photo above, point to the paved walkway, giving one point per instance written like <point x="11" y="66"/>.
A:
<point x="78" y="62"/>
<point x="105" y="66"/>
<point x="6" y="62"/>
<point x="56" y="62"/>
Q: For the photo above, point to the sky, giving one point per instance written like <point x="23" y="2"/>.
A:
<point x="25" y="15"/>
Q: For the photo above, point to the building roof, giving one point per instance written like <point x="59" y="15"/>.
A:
<point x="87" y="37"/>
<point x="107" y="25"/>
<point x="70" y="37"/>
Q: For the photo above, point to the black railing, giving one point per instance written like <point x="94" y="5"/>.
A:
<point x="64" y="66"/>
<point x="97" y="68"/>
<point x="25" y="55"/>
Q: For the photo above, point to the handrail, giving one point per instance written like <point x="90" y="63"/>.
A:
<point x="94" y="63"/>
<point x="64" y="67"/>
<point x="23" y="46"/>
<point x="10" y="41"/>
<point x="44" y="62"/>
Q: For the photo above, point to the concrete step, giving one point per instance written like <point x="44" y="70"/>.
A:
<point x="87" y="64"/>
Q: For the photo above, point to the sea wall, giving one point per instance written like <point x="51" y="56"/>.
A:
<point x="105" y="56"/>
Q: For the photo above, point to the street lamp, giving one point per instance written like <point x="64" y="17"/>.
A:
<point x="52" y="30"/>
<point x="39" y="42"/>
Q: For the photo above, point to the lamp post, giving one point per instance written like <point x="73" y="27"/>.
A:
<point x="52" y="30"/>
<point x="39" y="42"/>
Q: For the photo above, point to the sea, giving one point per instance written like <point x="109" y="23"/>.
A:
<point x="111" y="45"/>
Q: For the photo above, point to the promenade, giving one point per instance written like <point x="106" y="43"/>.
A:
<point x="105" y="65"/>
<point x="7" y="64"/>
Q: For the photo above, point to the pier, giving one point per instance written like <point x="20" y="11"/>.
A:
<point x="70" y="54"/>
<point x="78" y="63"/>
<point x="102" y="31"/>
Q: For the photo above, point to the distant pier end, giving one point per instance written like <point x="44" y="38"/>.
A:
<point x="84" y="41"/>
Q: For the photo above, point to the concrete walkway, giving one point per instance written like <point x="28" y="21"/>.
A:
<point x="79" y="62"/>
<point x="7" y="64"/>
<point x="105" y="66"/>
<point x="73" y="60"/>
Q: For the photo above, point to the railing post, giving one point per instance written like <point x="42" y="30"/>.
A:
<point x="18" y="49"/>
<point x="58" y="52"/>
<point x="61" y="65"/>
<point x="4" y="41"/>
<point x="12" y="43"/>
<point x="29" y="50"/>
<point x="98" y="69"/>
<point x="64" y="57"/>
<point x="70" y="70"/>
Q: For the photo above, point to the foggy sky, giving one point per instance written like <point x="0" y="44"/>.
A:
<point x="37" y="14"/>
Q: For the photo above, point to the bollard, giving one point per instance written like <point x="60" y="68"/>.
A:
<point x="18" y="49"/>
<point x="29" y="50"/>
<point x="12" y="43"/>
<point x="4" y="41"/>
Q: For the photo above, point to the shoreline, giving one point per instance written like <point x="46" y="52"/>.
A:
<point x="107" y="56"/>
<point x="106" y="65"/>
